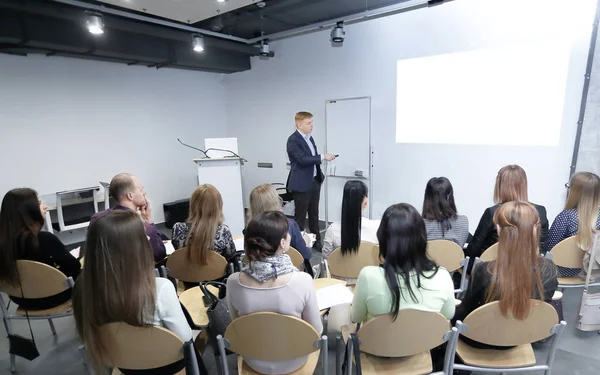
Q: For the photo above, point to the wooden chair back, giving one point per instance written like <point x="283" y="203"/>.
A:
<point x="490" y="254"/>
<point x="297" y="258"/>
<point x="38" y="280"/>
<point x="487" y="325"/>
<point x="379" y="336"/>
<point x="447" y="254"/>
<point x="141" y="348"/>
<point x="254" y="336"/>
<point x="182" y="269"/>
<point x="350" y="265"/>
<point x="567" y="254"/>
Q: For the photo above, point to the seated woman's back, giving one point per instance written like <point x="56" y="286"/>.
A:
<point x="129" y="292"/>
<point x="503" y="279"/>
<point x="204" y="229"/>
<point x="353" y="227"/>
<point x="408" y="279"/>
<point x="439" y="213"/>
<point x="271" y="283"/>
<point x="21" y="238"/>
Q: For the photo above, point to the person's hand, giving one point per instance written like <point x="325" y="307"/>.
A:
<point x="329" y="157"/>
<point x="146" y="212"/>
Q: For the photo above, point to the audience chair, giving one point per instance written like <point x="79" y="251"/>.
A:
<point x="567" y="254"/>
<point x="145" y="348"/>
<point x="450" y="255"/>
<point x="253" y="336"/>
<point x="401" y="346"/>
<point x="179" y="267"/>
<point x="38" y="280"/>
<point x="491" y="253"/>
<point x="487" y="325"/>
<point x="349" y="266"/>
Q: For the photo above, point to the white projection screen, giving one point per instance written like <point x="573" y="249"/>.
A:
<point x="505" y="96"/>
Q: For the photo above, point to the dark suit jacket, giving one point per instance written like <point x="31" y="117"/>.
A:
<point x="486" y="234"/>
<point x="302" y="164"/>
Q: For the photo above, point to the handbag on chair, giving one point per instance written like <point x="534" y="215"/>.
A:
<point x="218" y="314"/>
<point x="22" y="346"/>
<point x="589" y="311"/>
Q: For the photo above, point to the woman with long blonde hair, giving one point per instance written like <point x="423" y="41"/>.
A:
<point x="518" y="274"/>
<point x="511" y="185"/>
<point x="118" y="285"/>
<point x="580" y="217"/>
<point x="264" y="198"/>
<point x="204" y="229"/>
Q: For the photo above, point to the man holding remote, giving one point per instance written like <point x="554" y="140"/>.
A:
<point x="306" y="177"/>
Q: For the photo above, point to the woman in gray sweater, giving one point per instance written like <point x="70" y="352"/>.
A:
<point x="439" y="212"/>
<point x="271" y="283"/>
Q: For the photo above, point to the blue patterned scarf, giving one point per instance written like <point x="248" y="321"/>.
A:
<point x="263" y="270"/>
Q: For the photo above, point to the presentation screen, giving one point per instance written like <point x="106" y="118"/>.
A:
<point x="504" y="96"/>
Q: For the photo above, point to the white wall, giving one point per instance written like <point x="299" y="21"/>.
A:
<point x="307" y="70"/>
<point x="68" y="123"/>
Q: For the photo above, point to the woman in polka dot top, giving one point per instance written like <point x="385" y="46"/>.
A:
<point x="580" y="216"/>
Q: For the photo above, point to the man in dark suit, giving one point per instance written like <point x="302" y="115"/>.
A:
<point x="306" y="177"/>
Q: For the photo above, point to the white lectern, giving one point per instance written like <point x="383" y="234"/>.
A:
<point x="225" y="174"/>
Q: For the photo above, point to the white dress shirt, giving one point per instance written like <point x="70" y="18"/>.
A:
<point x="306" y="138"/>
<point x="333" y="235"/>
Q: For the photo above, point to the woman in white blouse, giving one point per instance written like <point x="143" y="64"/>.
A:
<point x="353" y="228"/>
<point x="118" y="285"/>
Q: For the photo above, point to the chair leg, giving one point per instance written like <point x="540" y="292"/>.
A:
<point x="12" y="363"/>
<point x="52" y="326"/>
<point x="339" y="355"/>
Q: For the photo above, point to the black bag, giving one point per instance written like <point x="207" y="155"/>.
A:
<point x="22" y="346"/>
<point x="218" y="314"/>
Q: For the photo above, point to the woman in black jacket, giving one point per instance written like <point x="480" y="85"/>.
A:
<point x="21" y="238"/>
<point x="511" y="185"/>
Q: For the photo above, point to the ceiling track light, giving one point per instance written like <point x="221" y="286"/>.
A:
<point x="197" y="43"/>
<point x="220" y="1"/>
<point x="338" y="33"/>
<point x="95" y="23"/>
<point x="265" y="50"/>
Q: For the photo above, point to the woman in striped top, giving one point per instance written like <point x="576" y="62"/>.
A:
<point x="439" y="213"/>
<point x="580" y="216"/>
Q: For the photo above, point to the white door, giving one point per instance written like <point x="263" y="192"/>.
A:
<point x="348" y="134"/>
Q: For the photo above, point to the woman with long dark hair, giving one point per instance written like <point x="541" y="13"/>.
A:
<point x="408" y="278"/>
<point x="353" y="227"/>
<point x="442" y="221"/>
<point x="21" y="238"/>
<point x="118" y="285"/>
<point x="518" y="274"/>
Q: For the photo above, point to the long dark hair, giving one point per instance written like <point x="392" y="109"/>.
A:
<point x="439" y="203"/>
<point x="355" y="193"/>
<point x="117" y="283"/>
<point x="264" y="234"/>
<point x="403" y="247"/>
<point x="20" y="222"/>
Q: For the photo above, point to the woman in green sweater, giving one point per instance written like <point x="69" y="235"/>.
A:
<point x="408" y="278"/>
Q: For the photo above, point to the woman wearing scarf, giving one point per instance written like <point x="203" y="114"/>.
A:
<point x="271" y="283"/>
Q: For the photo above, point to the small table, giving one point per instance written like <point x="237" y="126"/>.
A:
<point x="323" y="283"/>
<point x="194" y="304"/>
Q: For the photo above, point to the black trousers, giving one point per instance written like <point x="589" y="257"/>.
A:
<point x="308" y="202"/>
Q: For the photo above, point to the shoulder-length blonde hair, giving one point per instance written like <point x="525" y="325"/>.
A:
<point x="584" y="195"/>
<point x="206" y="214"/>
<point x="518" y="253"/>
<point x="264" y="198"/>
<point x="117" y="283"/>
<point x="511" y="185"/>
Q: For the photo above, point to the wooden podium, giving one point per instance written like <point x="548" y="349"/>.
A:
<point x="225" y="174"/>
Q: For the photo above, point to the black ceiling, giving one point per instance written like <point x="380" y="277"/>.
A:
<point x="53" y="28"/>
<point x="283" y="15"/>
